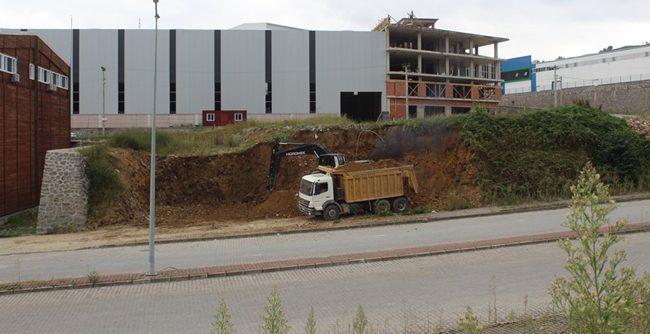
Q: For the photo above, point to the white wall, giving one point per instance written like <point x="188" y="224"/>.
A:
<point x="139" y="71"/>
<point x="194" y="71"/>
<point x="348" y="61"/>
<point x="627" y="65"/>
<point x="242" y="71"/>
<point x="97" y="48"/>
<point x="290" y="71"/>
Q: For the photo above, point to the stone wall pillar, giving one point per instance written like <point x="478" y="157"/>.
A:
<point x="64" y="192"/>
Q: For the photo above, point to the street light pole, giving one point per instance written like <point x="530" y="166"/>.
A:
<point x="152" y="191"/>
<point x="103" y="101"/>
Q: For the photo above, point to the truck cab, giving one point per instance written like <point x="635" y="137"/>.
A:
<point x="316" y="193"/>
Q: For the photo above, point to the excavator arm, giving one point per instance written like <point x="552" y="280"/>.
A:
<point x="320" y="151"/>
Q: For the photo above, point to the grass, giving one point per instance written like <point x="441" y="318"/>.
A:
<point x="105" y="183"/>
<point x="21" y="224"/>
<point x="205" y="141"/>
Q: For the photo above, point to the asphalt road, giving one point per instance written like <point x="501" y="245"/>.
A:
<point x="415" y="293"/>
<point x="43" y="266"/>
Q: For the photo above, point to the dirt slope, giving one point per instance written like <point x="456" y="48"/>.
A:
<point x="219" y="188"/>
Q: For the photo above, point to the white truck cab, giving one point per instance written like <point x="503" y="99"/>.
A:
<point x="316" y="192"/>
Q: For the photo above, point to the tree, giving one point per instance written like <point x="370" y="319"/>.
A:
<point x="597" y="297"/>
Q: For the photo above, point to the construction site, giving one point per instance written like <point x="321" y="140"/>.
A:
<point x="223" y="188"/>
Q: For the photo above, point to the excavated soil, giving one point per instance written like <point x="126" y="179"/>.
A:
<point x="233" y="187"/>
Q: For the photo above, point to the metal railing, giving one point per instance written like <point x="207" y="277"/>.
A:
<point x="583" y="83"/>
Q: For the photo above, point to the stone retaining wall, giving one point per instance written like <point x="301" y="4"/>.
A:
<point x="64" y="192"/>
<point x="625" y="98"/>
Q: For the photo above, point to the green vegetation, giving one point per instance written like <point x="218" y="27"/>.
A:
<point x="275" y="321"/>
<point x="21" y="224"/>
<point x="105" y="183"/>
<point x="222" y="323"/>
<point x="599" y="296"/>
<point x="538" y="155"/>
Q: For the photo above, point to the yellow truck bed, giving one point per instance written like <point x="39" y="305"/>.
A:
<point x="371" y="184"/>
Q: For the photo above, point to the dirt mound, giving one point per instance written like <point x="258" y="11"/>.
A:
<point x="354" y="166"/>
<point x="221" y="188"/>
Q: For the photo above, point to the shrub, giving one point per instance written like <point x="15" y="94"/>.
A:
<point x="105" y="183"/>
<point x="537" y="155"/>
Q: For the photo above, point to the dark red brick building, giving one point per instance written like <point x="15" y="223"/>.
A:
<point x="34" y="116"/>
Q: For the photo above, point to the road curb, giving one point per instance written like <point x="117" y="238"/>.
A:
<point x="419" y="219"/>
<point x="298" y="264"/>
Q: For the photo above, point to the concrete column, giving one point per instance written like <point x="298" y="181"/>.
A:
<point x="447" y="44"/>
<point x="420" y="111"/>
<point x="447" y="110"/>
<point x="446" y="65"/>
<point x="419" y="63"/>
<point x="387" y="53"/>
<point x="471" y="68"/>
<point x="496" y="50"/>
<point x="471" y="46"/>
<point x="419" y="40"/>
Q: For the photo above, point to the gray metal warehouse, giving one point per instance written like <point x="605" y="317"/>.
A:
<point x="273" y="72"/>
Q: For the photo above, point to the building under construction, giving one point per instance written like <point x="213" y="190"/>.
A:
<point x="401" y="69"/>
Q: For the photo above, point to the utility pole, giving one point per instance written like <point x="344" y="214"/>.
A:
<point x="406" y="75"/>
<point x="555" y="86"/>
<point x="152" y="187"/>
<point x="103" y="101"/>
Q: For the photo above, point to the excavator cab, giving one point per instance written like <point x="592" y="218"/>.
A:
<point x="333" y="160"/>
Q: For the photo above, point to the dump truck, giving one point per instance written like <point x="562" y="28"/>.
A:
<point x="329" y="192"/>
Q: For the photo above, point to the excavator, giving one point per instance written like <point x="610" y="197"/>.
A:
<point x="325" y="157"/>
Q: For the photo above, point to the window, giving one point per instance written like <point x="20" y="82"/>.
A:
<point x="321" y="188"/>
<point x="63" y="82"/>
<point x="43" y="75"/>
<point x="209" y="117"/>
<point x="239" y="117"/>
<point x="8" y="64"/>
<point x="306" y="187"/>
<point x="32" y="72"/>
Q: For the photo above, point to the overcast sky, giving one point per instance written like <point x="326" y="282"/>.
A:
<point x="543" y="29"/>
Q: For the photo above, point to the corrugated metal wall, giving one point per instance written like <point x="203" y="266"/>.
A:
<point x="349" y="62"/>
<point x="345" y="61"/>
<point x="242" y="70"/>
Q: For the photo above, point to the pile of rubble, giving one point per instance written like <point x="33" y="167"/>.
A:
<point x="639" y="124"/>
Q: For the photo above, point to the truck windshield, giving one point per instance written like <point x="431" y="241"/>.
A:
<point x="306" y="188"/>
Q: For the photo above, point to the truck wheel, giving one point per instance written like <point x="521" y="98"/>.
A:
<point x="382" y="206"/>
<point x="401" y="205"/>
<point x="331" y="212"/>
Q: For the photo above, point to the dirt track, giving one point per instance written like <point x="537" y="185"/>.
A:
<point x="220" y="190"/>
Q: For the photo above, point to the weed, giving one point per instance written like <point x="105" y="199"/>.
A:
<point x="469" y="323"/>
<point x="310" y="328"/>
<point x="599" y="296"/>
<point x="222" y="323"/>
<point x="360" y="322"/>
<point x="274" y="320"/>
<point x="20" y="224"/>
<point x="93" y="276"/>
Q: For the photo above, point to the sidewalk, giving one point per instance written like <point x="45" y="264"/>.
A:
<point x="168" y="275"/>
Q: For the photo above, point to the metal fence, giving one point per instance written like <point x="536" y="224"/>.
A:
<point x="583" y="83"/>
